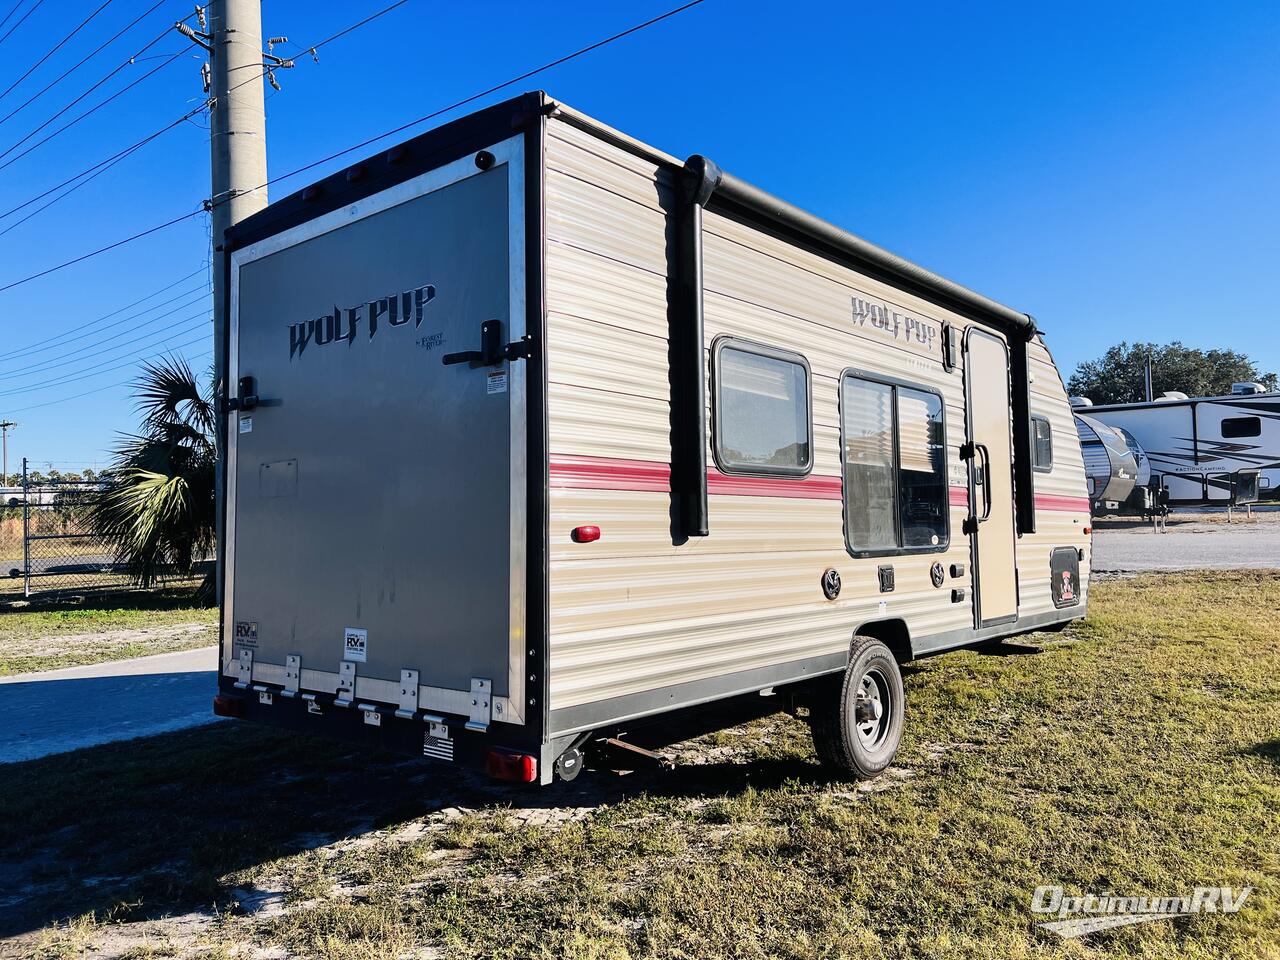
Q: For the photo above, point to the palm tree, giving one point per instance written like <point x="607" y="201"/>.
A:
<point x="157" y="508"/>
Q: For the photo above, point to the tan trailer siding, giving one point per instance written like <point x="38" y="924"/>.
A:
<point x="634" y="612"/>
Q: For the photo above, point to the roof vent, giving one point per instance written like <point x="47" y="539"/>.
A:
<point x="1241" y="389"/>
<point x="1080" y="401"/>
<point x="1169" y="395"/>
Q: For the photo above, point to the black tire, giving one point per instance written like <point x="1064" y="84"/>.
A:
<point x="850" y="734"/>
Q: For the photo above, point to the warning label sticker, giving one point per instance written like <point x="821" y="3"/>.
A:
<point x="246" y="424"/>
<point x="498" y="381"/>
<point x="355" y="644"/>
<point x="247" y="633"/>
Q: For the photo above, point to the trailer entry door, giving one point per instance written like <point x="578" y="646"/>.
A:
<point x="370" y="523"/>
<point x="991" y="527"/>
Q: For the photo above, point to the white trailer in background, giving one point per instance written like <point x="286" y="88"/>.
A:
<point x="1206" y="450"/>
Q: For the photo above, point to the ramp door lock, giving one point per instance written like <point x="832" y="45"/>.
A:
<point x="492" y="350"/>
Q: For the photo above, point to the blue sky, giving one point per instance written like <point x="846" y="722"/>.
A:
<point x="1109" y="168"/>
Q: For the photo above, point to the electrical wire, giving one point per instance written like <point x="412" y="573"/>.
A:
<point x="41" y="345"/>
<point x="88" y="174"/>
<point x="62" y="360"/>
<point x="89" y="372"/>
<point x="104" y="249"/>
<point x="21" y="20"/>
<point x="88" y="113"/>
<point x="82" y="61"/>
<point x="475" y="96"/>
<point x="56" y="47"/>
<point x="109" y="386"/>
<point x="292" y="173"/>
<point x="8" y="16"/>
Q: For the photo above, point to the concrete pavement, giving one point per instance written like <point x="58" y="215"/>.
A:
<point x="55" y="711"/>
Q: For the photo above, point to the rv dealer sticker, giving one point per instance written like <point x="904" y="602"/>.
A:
<point x="355" y="644"/>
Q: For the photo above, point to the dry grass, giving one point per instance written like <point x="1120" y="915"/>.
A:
<point x="1138" y="753"/>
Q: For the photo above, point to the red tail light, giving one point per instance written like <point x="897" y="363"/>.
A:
<point x="224" y="706"/>
<point x="587" y="534"/>
<point x="509" y="765"/>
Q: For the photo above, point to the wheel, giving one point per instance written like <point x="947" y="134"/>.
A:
<point x="856" y="720"/>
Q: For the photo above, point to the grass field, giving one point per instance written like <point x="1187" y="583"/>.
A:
<point x="69" y="634"/>
<point x="1137" y="754"/>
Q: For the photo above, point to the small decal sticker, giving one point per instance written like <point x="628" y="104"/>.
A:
<point x="936" y="574"/>
<point x="246" y="424"/>
<point x="355" y="644"/>
<point x="498" y="382"/>
<point x="247" y="633"/>
<point x="1068" y="588"/>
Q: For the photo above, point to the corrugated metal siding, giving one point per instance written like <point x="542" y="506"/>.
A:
<point x="635" y="612"/>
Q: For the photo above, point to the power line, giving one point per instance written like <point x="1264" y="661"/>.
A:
<point x="82" y="61"/>
<point x="109" y="386"/>
<point x="92" y="110"/>
<point x="104" y="249"/>
<point x="292" y="173"/>
<point x="21" y="20"/>
<point x="90" y="173"/>
<point x="483" y="93"/>
<point x="86" y="374"/>
<point x="56" y="47"/>
<point x="41" y="345"/>
<point x="62" y="360"/>
<point x="10" y="14"/>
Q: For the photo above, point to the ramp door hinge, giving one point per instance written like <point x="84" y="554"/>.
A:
<point x="492" y="350"/>
<point x="346" y="684"/>
<point x="245" y="667"/>
<point x="292" y="674"/>
<point x="481" y="700"/>
<point x="408" y="694"/>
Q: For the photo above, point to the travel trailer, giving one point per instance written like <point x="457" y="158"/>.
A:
<point x="1206" y="450"/>
<point x="640" y="437"/>
<point x="1111" y="465"/>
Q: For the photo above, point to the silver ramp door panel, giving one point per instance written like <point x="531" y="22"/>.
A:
<point x="372" y="484"/>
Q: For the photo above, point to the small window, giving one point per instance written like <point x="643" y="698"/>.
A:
<point x="761" y="410"/>
<point x="1041" y="444"/>
<point x="895" y="478"/>
<point x="1236" y="427"/>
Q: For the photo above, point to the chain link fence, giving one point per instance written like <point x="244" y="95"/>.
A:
<point x="47" y="547"/>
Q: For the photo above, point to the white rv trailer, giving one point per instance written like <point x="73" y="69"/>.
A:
<point x="641" y="437"/>
<point x="1206" y="450"/>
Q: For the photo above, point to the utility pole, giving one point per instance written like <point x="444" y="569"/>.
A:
<point x="5" y="427"/>
<point x="237" y="152"/>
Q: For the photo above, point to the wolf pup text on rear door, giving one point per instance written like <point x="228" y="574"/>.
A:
<point x="341" y="325"/>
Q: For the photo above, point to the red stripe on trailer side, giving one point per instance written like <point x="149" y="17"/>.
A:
<point x="958" y="496"/>
<point x="607" y="473"/>
<point x="1053" y="502"/>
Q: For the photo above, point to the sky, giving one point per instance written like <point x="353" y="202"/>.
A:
<point x="1109" y="168"/>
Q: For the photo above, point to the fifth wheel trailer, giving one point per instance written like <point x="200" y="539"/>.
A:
<point x="632" y="436"/>
<point x="1205" y="450"/>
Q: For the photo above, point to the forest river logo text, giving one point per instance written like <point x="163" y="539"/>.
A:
<point x="344" y="323"/>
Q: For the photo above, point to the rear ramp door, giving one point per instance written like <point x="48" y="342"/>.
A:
<point x="370" y="490"/>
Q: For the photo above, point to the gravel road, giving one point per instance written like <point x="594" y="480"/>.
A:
<point x="1193" y="542"/>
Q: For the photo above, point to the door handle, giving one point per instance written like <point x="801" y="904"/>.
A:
<point x="492" y="350"/>
<point x="247" y="397"/>
<point x="986" y="480"/>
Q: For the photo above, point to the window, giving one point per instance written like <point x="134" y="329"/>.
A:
<point x="1235" y="427"/>
<point x="761" y="410"/>
<point x="895" y="477"/>
<point x="1041" y="444"/>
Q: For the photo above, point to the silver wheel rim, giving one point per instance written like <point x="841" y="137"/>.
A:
<point x="873" y="709"/>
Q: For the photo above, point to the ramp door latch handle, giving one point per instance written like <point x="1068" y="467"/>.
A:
<point x="492" y="350"/>
<point x="247" y="396"/>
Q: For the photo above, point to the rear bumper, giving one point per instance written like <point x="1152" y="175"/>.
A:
<point x="441" y="739"/>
